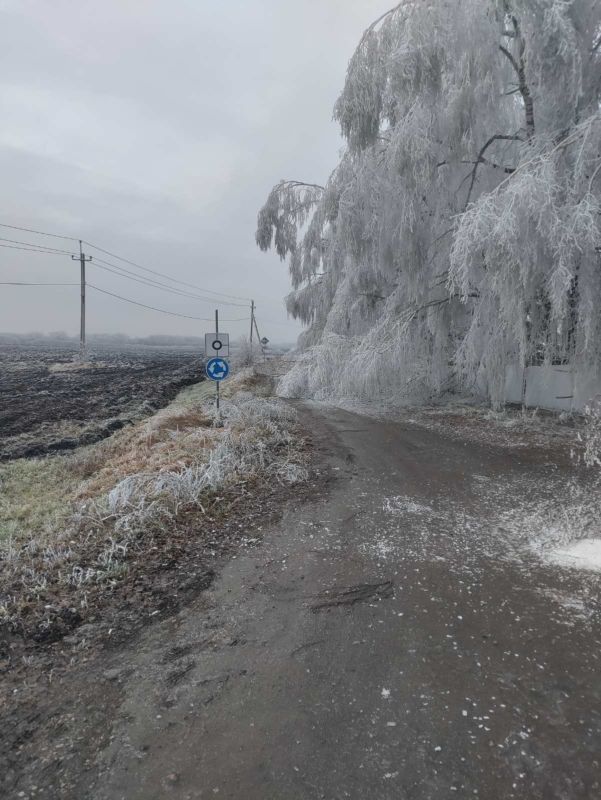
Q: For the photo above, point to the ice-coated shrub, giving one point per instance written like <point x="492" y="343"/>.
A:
<point x="256" y="441"/>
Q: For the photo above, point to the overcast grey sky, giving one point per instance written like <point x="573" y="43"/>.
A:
<point x="155" y="129"/>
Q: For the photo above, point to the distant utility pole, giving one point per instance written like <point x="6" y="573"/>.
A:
<point x="252" y="322"/>
<point x="82" y="258"/>
<point x="254" y="319"/>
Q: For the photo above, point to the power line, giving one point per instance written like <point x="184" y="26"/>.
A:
<point x="40" y="233"/>
<point x="37" y="246"/>
<point x="22" y="283"/>
<point x="164" y="275"/>
<point x="34" y="249"/>
<point x="30" y="247"/>
<point x="120" y="258"/>
<point x="161" y="310"/>
<point x="284" y="324"/>
<point x="132" y="276"/>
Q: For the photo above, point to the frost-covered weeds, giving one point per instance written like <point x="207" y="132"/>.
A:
<point x="187" y="456"/>
<point x="256" y="441"/>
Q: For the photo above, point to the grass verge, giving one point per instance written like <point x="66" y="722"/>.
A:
<point x="77" y="526"/>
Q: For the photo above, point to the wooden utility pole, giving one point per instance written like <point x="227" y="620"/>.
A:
<point x="259" y="338"/>
<point x="252" y="322"/>
<point x="82" y="258"/>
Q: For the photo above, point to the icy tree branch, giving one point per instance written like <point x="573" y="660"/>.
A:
<point x="481" y="160"/>
<point x="403" y="264"/>
<point x="519" y="65"/>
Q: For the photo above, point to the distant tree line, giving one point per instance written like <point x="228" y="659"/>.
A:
<point x="155" y="340"/>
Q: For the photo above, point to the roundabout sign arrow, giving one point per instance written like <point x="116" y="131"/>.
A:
<point x="217" y="369"/>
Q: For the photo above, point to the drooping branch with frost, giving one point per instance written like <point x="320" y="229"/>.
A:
<point x="460" y="232"/>
<point x="287" y="207"/>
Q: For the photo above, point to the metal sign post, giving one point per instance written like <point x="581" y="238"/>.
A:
<point x="217" y="345"/>
<point x="216" y="340"/>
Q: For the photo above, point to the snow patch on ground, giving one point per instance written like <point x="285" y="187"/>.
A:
<point x="382" y="549"/>
<point x="575" y="606"/>
<point x="585" y="554"/>
<point x="405" y="505"/>
<point x="526" y="519"/>
<point x="560" y="527"/>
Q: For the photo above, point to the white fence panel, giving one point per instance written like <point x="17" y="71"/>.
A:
<point x="557" y="388"/>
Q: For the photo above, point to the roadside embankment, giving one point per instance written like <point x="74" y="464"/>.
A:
<point x="128" y="525"/>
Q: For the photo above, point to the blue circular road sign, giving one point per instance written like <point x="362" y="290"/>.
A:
<point x="217" y="369"/>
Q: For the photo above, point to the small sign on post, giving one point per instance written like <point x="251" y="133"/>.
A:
<point x="217" y="369"/>
<point x="217" y="347"/>
<point x="217" y="344"/>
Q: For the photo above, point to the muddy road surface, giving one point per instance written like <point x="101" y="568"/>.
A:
<point x="50" y="403"/>
<point x="395" y="638"/>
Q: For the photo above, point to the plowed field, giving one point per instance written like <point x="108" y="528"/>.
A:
<point x="50" y="402"/>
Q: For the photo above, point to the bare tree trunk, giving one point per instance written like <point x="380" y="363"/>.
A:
<point x="519" y="65"/>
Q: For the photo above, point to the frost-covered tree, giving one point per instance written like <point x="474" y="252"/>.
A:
<point x="460" y="231"/>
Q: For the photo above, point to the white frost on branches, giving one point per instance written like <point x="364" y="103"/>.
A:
<point x="460" y="231"/>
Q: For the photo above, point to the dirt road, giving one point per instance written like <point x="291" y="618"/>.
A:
<point x="392" y="639"/>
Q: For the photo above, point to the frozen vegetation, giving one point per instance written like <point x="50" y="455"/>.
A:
<point x="125" y="498"/>
<point x="459" y="233"/>
<point x="255" y="440"/>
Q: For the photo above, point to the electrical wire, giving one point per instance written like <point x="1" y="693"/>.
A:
<point x="22" y="283"/>
<point x="161" y="310"/>
<point x="40" y="233"/>
<point x="132" y="276"/>
<point x="33" y="249"/>
<point x="281" y="324"/>
<point x="163" y="275"/>
<point x="118" y="257"/>
<point x="32" y="244"/>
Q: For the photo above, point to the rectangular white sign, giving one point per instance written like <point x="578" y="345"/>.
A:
<point x="217" y="344"/>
